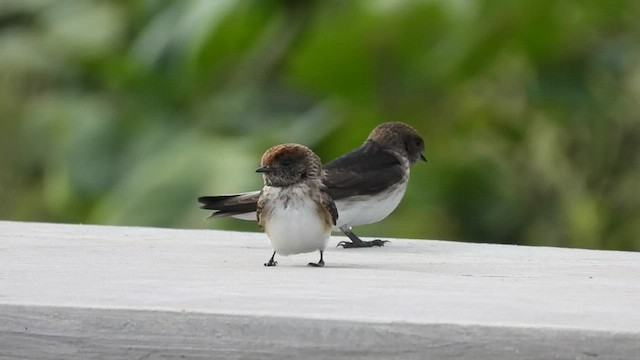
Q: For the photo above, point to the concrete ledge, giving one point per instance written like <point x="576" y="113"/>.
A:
<point x="76" y="333"/>
<point x="73" y="291"/>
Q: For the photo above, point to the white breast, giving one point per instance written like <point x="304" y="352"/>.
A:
<point x="296" y="228"/>
<point x="368" y="209"/>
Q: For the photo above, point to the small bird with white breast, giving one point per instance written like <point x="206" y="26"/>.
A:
<point x="294" y="207"/>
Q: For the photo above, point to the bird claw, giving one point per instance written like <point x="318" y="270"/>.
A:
<point x="271" y="263"/>
<point x="363" y="244"/>
<point x="318" y="264"/>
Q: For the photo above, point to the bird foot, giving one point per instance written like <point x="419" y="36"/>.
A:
<point x="362" y="244"/>
<point x="271" y="263"/>
<point x="318" y="264"/>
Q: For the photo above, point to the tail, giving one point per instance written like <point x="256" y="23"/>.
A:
<point x="241" y="206"/>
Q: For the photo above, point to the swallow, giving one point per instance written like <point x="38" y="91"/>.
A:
<point x="294" y="207"/>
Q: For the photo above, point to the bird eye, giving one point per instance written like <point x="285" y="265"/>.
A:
<point x="286" y="162"/>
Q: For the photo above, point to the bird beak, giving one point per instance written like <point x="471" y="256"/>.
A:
<point x="264" y="169"/>
<point x="423" y="158"/>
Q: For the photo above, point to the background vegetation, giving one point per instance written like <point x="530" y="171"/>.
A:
<point x="123" y="112"/>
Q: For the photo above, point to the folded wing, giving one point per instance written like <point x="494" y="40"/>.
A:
<point x="367" y="170"/>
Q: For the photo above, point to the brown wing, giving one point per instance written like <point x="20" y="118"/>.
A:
<point x="260" y="209"/>
<point x="327" y="203"/>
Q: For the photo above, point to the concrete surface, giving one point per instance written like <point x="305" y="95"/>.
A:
<point x="73" y="291"/>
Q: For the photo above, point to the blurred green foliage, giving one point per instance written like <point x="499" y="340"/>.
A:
<point x="123" y="112"/>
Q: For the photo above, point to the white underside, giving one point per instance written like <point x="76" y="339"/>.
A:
<point x="251" y="216"/>
<point x="360" y="210"/>
<point x="368" y="209"/>
<point x="298" y="228"/>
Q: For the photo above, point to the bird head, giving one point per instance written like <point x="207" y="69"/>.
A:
<point x="400" y="138"/>
<point x="288" y="164"/>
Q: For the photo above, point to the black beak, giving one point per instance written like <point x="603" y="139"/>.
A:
<point x="264" y="169"/>
<point x="423" y="158"/>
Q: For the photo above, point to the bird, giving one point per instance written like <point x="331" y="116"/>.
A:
<point x="294" y="207"/>
<point x="366" y="184"/>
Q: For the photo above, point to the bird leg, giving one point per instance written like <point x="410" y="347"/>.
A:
<point x="271" y="261"/>
<point x="356" y="242"/>
<point x="319" y="263"/>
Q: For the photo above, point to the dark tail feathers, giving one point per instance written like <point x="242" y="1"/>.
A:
<point x="230" y="205"/>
